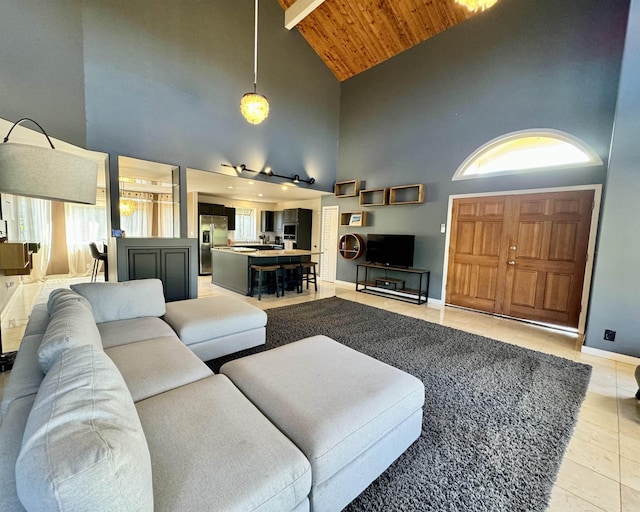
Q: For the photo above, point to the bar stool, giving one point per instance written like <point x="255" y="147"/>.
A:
<point x="260" y="269"/>
<point x="292" y="274"/>
<point x="97" y="258"/>
<point x="307" y="275"/>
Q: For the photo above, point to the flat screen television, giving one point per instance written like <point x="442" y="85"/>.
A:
<point x="390" y="250"/>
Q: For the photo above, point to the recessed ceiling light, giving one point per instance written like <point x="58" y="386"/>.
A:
<point x="229" y="186"/>
<point x="259" y="195"/>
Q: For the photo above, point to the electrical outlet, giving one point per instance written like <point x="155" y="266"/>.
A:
<point x="609" y="335"/>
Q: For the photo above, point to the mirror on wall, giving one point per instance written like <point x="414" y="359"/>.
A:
<point x="149" y="199"/>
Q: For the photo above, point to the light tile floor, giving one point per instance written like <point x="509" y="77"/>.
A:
<point x="601" y="467"/>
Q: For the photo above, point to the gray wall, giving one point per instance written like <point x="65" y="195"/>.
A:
<point x="164" y="81"/>
<point x="416" y="117"/>
<point x="615" y="302"/>
<point x="41" y="66"/>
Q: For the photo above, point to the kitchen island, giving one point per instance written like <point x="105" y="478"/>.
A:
<point x="231" y="266"/>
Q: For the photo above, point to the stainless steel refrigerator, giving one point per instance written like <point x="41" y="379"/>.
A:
<point x="213" y="232"/>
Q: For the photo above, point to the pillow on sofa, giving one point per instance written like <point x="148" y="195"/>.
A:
<point x="123" y="301"/>
<point x="70" y="325"/>
<point x="61" y="296"/>
<point x="83" y="446"/>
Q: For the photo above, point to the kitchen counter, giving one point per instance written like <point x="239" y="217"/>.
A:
<point x="231" y="266"/>
<point x="264" y="253"/>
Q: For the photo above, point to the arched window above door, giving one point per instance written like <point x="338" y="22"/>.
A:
<point x="527" y="151"/>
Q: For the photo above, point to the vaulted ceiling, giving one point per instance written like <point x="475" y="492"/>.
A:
<point x="354" y="35"/>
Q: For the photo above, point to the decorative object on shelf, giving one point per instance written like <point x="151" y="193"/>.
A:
<point x="349" y="188"/>
<point x="406" y="194"/>
<point x="474" y="5"/>
<point x="358" y="219"/>
<point x="268" y="171"/>
<point x="46" y="173"/>
<point x="351" y="246"/>
<point x="374" y="197"/>
<point x="254" y="106"/>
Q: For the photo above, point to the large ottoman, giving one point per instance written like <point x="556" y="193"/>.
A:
<point x="216" y="326"/>
<point x="350" y="414"/>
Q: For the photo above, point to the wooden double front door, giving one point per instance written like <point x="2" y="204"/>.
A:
<point x="522" y="256"/>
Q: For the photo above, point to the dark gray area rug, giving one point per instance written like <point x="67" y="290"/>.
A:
<point x="497" y="417"/>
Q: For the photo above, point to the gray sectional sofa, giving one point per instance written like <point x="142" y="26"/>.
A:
<point x="107" y="408"/>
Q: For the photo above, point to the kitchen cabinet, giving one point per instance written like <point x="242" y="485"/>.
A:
<point x="211" y="209"/>
<point x="278" y="222"/>
<point x="290" y="215"/>
<point x="230" y="213"/>
<point x="266" y="221"/>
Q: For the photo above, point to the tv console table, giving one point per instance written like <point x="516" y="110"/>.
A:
<point x="391" y="282"/>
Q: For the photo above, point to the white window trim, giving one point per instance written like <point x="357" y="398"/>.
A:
<point x="595" y="159"/>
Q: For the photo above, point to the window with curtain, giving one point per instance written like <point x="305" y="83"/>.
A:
<point x="245" y="224"/>
<point x="84" y="224"/>
<point x="165" y="215"/>
<point x="34" y="225"/>
<point x="137" y="219"/>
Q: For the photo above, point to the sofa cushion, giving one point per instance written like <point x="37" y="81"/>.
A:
<point x="120" y="301"/>
<point x="121" y="332"/>
<point x="62" y="296"/>
<point x="83" y="446"/>
<point x="11" y="430"/>
<point x="197" y="320"/>
<point x="332" y="401"/>
<point x="71" y="325"/>
<point x="211" y="449"/>
<point x="38" y="320"/>
<point x="26" y="375"/>
<point x="150" y="367"/>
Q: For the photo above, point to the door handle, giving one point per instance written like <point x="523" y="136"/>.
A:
<point x="511" y="262"/>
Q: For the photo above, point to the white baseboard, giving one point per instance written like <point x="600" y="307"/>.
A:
<point x="622" y="358"/>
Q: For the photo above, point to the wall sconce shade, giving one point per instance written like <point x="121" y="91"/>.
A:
<point x="46" y="173"/>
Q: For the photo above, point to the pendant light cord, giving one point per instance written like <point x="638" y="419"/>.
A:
<point x="255" y="50"/>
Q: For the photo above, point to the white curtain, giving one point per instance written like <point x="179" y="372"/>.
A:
<point x="165" y="215"/>
<point x="245" y="224"/>
<point x="84" y="224"/>
<point x="34" y="225"/>
<point x="139" y="222"/>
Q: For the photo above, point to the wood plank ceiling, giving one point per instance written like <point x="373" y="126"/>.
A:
<point x="351" y="36"/>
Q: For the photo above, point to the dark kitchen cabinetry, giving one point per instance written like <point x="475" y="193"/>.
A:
<point x="266" y="221"/>
<point x="211" y="209"/>
<point x="301" y="219"/>
<point x="230" y="213"/>
<point x="219" y="209"/>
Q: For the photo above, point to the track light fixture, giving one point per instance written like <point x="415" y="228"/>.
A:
<point x="268" y="171"/>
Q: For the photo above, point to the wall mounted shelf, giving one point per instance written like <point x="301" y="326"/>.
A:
<point x="406" y="194"/>
<point x="350" y="188"/>
<point x="374" y="197"/>
<point x="351" y="246"/>
<point x="358" y="219"/>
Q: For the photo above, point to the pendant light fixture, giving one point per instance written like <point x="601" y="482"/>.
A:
<point x="474" y="5"/>
<point x="254" y="106"/>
